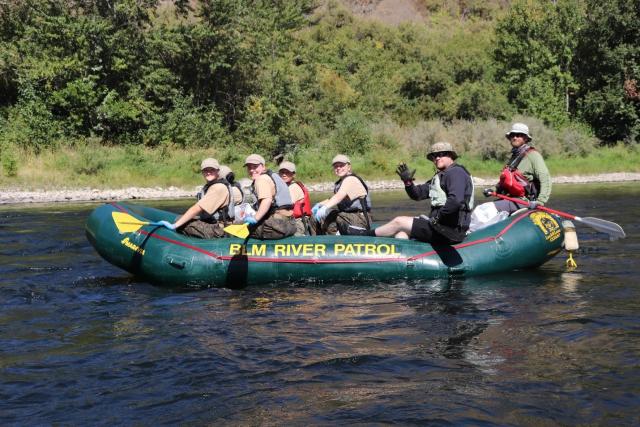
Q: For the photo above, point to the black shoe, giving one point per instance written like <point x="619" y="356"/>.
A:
<point x="354" y="230"/>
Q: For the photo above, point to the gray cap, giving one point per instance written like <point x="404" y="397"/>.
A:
<point x="519" y="128"/>
<point x="440" y="147"/>
<point x="290" y="166"/>
<point x="224" y="171"/>
<point x="254" y="159"/>
<point x="340" y="158"/>
<point x="209" y="162"/>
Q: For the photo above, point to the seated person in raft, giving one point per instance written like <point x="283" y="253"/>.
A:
<point x="451" y="194"/>
<point x="274" y="209"/>
<point x="214" y="209"/>
<point x="349" y="205"/>
<point x="299" y="197"/>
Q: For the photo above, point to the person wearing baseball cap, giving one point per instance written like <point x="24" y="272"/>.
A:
<point x="525" y="175"/>
<point x="274" y="209"/>
<point x="213" y="210"/>
<point x="451" y="195"/>
<point x="349" y="205"/>
<point x="299" y="197"/>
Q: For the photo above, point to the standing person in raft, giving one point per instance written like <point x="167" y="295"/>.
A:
<point x="213" y="211"/>
<point x="274" y="209"/>
<point x="451" y="194"/>
<point x="350" y="199"/>
<point x="525" y="175"/>
<point x="299" y="197"/>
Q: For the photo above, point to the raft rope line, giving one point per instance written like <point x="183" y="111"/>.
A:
<point x="324" y="261"/>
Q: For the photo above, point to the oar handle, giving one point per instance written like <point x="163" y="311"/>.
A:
<point x="542" y="208"/>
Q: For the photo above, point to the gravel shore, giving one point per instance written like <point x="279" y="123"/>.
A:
<point x="14" y="196"/>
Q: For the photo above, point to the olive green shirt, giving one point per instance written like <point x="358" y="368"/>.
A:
<point x="533" y="167"/>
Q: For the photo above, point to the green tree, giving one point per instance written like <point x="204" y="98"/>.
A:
<point x="608" y="70"/>
<point x="535" y="51"/>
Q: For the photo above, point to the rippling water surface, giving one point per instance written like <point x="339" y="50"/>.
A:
<point x="82" y="342"/>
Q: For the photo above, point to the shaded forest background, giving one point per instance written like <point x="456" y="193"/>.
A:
<point x="307" y="79"/>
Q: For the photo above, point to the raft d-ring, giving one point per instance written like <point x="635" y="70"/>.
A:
<point x="571" y="264"/>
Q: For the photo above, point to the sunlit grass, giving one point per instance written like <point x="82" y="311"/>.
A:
<point x="96" y="166"/>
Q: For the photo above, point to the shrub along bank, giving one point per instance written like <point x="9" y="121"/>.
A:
<point x="94" y="165"/>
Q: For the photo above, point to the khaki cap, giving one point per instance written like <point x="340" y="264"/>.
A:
<point x="440" y="147"/>
<point x="340" y="158"/>
<point x="254" y="159"/>
<point x="290" y="166"/>
<point x="224" y="171"/>
<point x="209" y="162"/>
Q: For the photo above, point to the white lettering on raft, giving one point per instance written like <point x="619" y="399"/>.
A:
<point x="315" y="250"/>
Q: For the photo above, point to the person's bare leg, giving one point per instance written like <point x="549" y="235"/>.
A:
<point x="399" y="224"/>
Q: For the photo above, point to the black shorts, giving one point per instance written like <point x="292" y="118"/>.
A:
<point x="423" y="230"/>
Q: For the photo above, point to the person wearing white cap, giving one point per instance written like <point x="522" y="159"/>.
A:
<point x="274" y="209"/>
<point x="451" y="194"/>
<point x="207" y="218"/>
<point x="299" y="197"/>
<point x="349" y="205"/>
<point x="525" y="175"/>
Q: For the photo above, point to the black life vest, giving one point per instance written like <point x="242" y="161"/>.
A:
<point x="361" y="204"/>
<point x="224" y="213"/>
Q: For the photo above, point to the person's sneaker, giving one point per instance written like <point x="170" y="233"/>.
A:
<point x="354" y="230"/>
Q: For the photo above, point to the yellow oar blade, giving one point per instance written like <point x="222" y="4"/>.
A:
<point x="127" y="223"/>
<point x="238" y="230"/>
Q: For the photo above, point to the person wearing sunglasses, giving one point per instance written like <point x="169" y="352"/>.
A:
<point x="525" y="175"/>
<point x="451" y="194"/>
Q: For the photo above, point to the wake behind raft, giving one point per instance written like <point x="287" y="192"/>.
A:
<point x="123" y="235"/>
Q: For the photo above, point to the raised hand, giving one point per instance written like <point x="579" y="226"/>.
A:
<point x="405" y="174"/>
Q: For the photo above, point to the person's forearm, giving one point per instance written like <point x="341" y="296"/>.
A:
<point x="334" y="200"/>
<point x="191" y="213"/>
<point x="263" y="209"/>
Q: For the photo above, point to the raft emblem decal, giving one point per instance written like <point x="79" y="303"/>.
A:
<point x="129" y="244"/>
<point x="549" y="226"/>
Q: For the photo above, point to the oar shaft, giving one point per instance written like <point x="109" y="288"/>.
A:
<point x="542" y="208"/>
<point x="611" y="228"/>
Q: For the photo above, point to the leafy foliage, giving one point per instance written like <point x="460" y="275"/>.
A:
<point x="608" y="69"/>
<point x="535" y="50"/>
<point x="299" y="76"/>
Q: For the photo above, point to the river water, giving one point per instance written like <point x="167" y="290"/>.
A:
<point x="82" y="342"/>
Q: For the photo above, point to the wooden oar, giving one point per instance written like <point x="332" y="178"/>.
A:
<point x="238" y="230"/>
<point x="611" y="228"/>
<point x="129" y="224"/>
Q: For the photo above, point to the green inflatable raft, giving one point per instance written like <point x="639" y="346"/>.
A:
<point x="122" y="234"/>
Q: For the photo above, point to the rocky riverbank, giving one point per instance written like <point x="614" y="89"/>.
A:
<point x="14" y="196"/>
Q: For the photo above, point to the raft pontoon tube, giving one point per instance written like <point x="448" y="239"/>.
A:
<point x="164" y="257"/>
